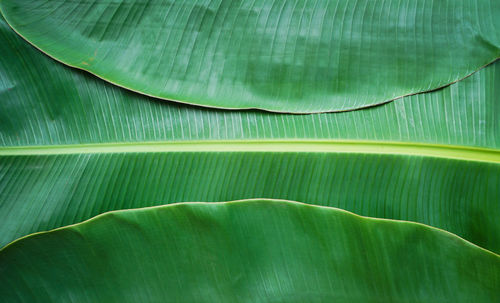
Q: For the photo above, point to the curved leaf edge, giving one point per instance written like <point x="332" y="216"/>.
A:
<point x="379" y="103"/>
<point x="284" y="202"/>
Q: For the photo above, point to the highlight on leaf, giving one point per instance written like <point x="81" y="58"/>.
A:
<point x="108" y="193"/>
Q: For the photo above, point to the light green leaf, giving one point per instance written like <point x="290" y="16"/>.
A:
<point x="73" y="147"/>
<point x="45" y="103"/>
<point x="50" y="179"/>
<point x="246" y="251"/>
<point x="285" y="56"/>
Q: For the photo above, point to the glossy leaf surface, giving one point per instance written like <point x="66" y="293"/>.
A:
<point x="46" y="103"/>
<point x="285" y="56"/>
<point x="42" y="189"/>
<point x="73" y="146"/>
<point x="247" y="251"/>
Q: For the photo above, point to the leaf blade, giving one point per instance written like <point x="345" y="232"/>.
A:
<point x="42" y="192"/>
<point x="75" y="108"/>
<point x="172" y="53"/>
<point x="303" y="252"/>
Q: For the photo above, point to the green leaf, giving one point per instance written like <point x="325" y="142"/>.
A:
<point x="73" y="147"/>
<point x="56" y="167"/>
<point x="246" y="251"/>
<point x="44" y="188"/>
<point x="285" y="56"/>
<point x="45" y="103"/>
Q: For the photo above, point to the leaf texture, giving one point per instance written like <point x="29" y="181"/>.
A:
<point x="42" y="191"/>
<point x="283" y="55"/>
<point x="45" y="103"/>
<point x="67" y="182"/>
<point x="246" y="251"/>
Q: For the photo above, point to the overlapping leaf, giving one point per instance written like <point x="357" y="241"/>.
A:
<point x="247" y="251"/>
<point x="45" y="103"/>
<point x="73" y="147"/>
<point x="285" y="56"/>
<point x="43" y="189"/>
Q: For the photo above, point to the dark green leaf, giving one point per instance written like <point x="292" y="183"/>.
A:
<point x="41" y="189"/>
<point x="247" y="251"/>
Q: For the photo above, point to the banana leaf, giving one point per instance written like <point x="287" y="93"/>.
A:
<point x="45" y="103"/>
<point x="42" y="189"/>
<point x="286" y="56"/>
<point x="246" y="251"/>
<point x="74" y="147"/>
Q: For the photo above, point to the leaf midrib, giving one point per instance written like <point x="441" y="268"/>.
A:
<point x="303" y="146"/>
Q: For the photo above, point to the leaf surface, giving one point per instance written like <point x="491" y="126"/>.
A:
<point x="285" y="56"/>
<point x="46" y="103"/>
<point x="57" y="134"/>
<point x="246" y="251"/>
<point x="42" y="189"/>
